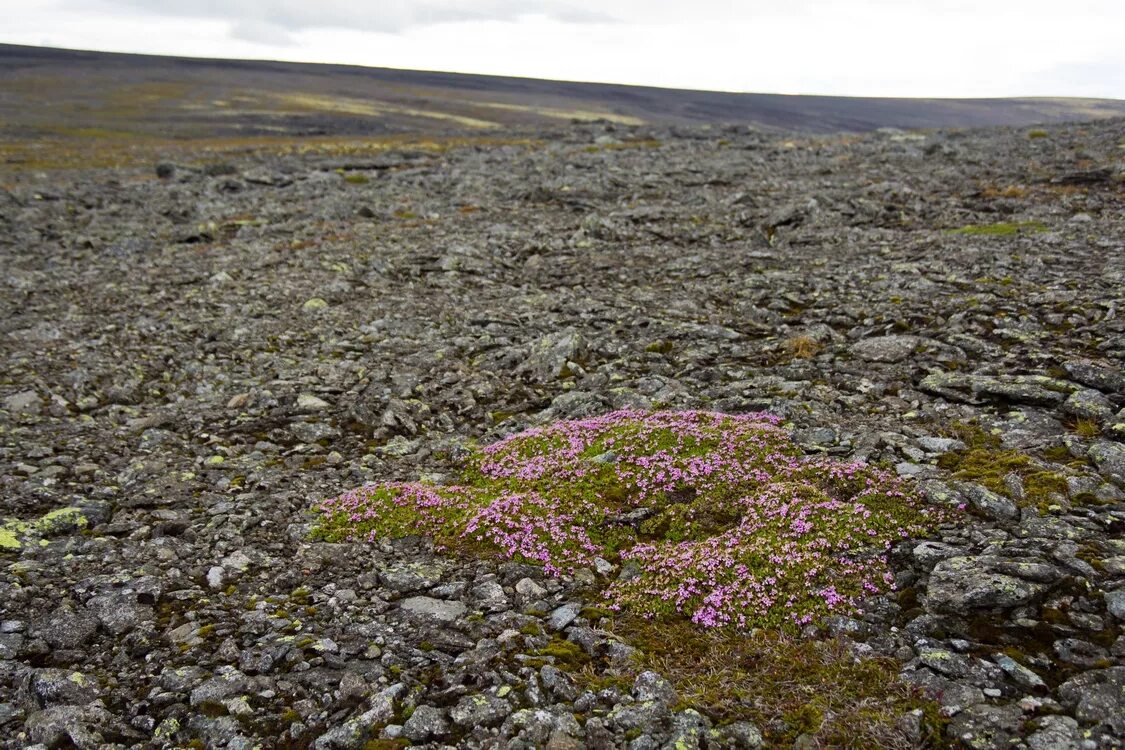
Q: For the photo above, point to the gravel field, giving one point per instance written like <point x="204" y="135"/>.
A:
<point x="195" y="354"/>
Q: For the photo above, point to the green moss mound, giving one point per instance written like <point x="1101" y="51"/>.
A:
<point x="714" y="517"/>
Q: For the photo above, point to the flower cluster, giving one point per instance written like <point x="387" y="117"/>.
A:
<point x="715" y="517"/>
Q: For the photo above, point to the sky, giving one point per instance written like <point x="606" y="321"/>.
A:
<point x="944" y="48"/>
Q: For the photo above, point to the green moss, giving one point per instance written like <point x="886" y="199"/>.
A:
<point x="14" y="533"/>
<point x="387" y="744"/>
<point x="779" y="682"/>
<point x="1057" y="453"/>
<point x="984" y="462"/>
<point x="1002" y="229"/>
<point x="517" y="499"/>
<point x="212" y="709"/>
<point x="356" y="179"/>
<point x="1036" y="134"/>
<point x="566" y="654"/>
<point x="8" y="539"/>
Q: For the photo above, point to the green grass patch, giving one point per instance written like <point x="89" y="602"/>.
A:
<point x="1002" y="229"/>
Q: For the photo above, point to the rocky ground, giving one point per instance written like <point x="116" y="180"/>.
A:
<point x="195" y="354"/>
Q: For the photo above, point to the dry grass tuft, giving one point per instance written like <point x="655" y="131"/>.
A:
<point x="802" y="347"/>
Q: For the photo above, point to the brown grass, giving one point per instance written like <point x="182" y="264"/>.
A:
<point x="802" y="347"/>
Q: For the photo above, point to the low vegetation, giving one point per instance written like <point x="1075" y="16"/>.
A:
<point x="1002" y="229"/>
<point x="715" y="518"/>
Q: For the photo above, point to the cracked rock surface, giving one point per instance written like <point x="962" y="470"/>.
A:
<point x="191" y="361"/>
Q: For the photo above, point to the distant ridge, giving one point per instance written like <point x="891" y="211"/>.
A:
<point x="45" y="91"/>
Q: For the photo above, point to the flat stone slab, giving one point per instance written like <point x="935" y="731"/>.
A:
<point x="434" y="609"/>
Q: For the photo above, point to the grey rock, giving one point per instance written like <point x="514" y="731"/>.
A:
<point x="959" y="585"/>
<point x="228" y="683"/>
<point x="944" y="661"/>
<point x="307" y="403"/>
<point x="973" y="388"/>
<point x="313" y="432"/>
<point x="481" y="710"/>
<point x="529" y="591"/>
<point x="237" y="561"/>
<point x="689" y="728"/>
<point x="1056" y="733"/>
<point x="543" y="728"/>
<point x="1097" y="696"/>
<point x="939" y="493"/>
<point x="742" y="735"/>
<point x="355" y="733"/>
<point x="89" y="727"/>
<point x="984" y="727"/>
<point x="940" y="444"/>
<point x="564" y="615"/>
<point x="439" y="610"/>
<point x="426" y="723"/>
<point x="1115" y="603"/>
<point x="885" y="348"/>
<point x="952" y="694"/>
<point x="53" y="687"/>
<point x="549" y="357"/>
<point x="1079" y="652"/>
<point x="1105" y="378"/>
<point x="216" y="577"/>
<point x="1020" y="674"/>
<point x="1109" y="457"/>
<point x="647" y="716"/>
<point x="9" y="712"/>
<point x="988" y="503"/>
<point x="23" y="403"/>
<point x="120" y="612"/>
<point x="66" y="627"/>
<point x="618" y="653"/>
<point x="1088" y="404"/>
<point x="557" y="684"/>
<point x="488" y="596"/>
<point x="410" y="578"/>
<point x="650" y="686"/>
<point x="929" y="553"/>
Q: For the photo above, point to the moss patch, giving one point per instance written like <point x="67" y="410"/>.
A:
<point x="786" y="685"/>
<point x="15" y="533"/>
<point x="984" y="462"/>
<point x="721" y="518"/>
<point x="1001" y="229"/>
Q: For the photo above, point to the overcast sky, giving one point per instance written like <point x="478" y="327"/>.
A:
<point x="846" y="47"/>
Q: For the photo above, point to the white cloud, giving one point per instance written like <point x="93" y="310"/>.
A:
<point x="859" y="47"/>
<point x="389" y="16"/>
<point x="261" y="32"/>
